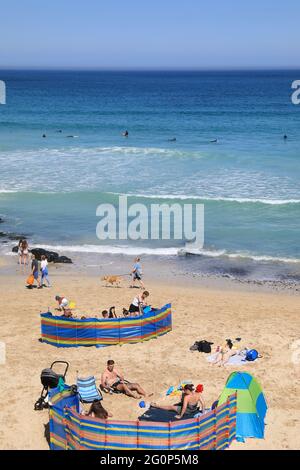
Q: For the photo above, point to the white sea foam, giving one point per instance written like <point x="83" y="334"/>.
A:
<point x="241" y="255"/>
<point x="111" y="249"/>
<point x="168" y="251"/>
<point x="240" y="200"/>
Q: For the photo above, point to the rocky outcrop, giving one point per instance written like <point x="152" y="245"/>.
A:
<point x="51" y="256"/>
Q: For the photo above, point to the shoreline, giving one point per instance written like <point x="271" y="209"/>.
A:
<point x="156" y="269"/>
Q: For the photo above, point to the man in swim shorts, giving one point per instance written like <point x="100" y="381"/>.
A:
<point x="112" y="380"/>
<point x="137" y="273"/>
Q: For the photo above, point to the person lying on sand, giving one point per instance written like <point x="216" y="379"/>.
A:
<point x="190" y="404"/>
<point x="97" y="410"/>
<point x="138" y="303"/>
<point x="224" y="353"/>
<point x="112" y="379"/>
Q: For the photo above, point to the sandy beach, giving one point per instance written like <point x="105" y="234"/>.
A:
<point x="267" y="321"/>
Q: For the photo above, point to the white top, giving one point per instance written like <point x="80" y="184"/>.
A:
<point x="44" y="264"/>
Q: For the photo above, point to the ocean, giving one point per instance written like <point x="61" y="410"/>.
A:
<point x="248" y="180"/>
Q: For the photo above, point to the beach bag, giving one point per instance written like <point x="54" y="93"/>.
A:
<point x="202" y="346"/>
<point x="30" y="280"/>
<point x="251" y="355"/>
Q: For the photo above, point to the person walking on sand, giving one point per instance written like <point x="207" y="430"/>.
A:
<point x="137" y="273"/>
<point x="35" y="270"/>
<point x="44" y="271"/>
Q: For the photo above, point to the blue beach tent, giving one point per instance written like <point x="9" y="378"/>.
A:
<point x="251" y="405"/>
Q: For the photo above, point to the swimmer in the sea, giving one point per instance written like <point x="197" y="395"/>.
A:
<point x="172" y="140"/>
<point x="125" y="134"/>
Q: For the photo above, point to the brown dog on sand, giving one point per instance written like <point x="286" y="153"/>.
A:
<point x="111" y="280"/>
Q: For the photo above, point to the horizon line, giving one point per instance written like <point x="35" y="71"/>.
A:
<point x="150" y="69"/>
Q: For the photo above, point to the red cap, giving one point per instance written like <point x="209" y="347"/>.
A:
<point x="199" y="388"/>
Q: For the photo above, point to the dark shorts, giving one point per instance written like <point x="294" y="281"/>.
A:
<point x="36" y="275"/>
<point x="133" y="308"/>
<point x="137" y="277"/>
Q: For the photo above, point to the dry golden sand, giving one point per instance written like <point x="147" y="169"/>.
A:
<point x="268" y="321"/>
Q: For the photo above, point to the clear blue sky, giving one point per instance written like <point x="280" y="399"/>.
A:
<point x="150" y="33"/>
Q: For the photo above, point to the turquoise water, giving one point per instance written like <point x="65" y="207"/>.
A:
<point x="249" y="180"/>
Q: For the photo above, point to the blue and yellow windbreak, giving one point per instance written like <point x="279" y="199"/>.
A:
<point x="70" y="430"/>
<point x="72" y="332"/>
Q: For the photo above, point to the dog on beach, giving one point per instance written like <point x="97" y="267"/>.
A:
<point x="112" y="280"/>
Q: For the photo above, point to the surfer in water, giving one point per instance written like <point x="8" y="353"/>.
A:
<point x="125" y="133"/>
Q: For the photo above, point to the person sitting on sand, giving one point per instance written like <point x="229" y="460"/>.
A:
<point x="136" y="307"/>
<point x="112" y="380"/>
<point x="63" y="303"/>
<point x="137" y="273"/>
<point x="112" y="313"/>
<point x="98" y="411"/>
<point x="191" y="403"/>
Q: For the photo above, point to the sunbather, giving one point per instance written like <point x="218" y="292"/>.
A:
<point x="224" y="353"/>
<point x="113" y="380"/>
<point x="191" y="403"/>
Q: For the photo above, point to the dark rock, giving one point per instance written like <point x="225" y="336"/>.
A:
<point x="51" y="256"/>
<point x="63" y="259"/>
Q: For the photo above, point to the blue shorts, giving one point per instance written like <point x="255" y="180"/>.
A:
<point x="36" y="275"/>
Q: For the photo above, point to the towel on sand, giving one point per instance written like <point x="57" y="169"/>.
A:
<point x="239" y="359"/>
<point x="163" y="416"/>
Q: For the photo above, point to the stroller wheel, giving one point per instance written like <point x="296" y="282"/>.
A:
<point x="40" y="404"/>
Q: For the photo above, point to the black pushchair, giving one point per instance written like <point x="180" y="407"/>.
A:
<point x="49" y="379"/>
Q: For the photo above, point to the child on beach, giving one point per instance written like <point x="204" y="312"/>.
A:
<point x="63" y="303"/>
<point x="44" y="271"/>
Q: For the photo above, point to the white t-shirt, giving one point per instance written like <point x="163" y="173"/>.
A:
<point x="44" y="264"/>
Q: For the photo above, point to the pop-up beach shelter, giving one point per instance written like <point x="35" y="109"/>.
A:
<point x="251" y="404"/>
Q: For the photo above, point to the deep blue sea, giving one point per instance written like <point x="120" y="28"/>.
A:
<point x="248" y="181"/>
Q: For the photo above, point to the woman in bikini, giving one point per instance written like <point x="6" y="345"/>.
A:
<point x="190" y="404"/>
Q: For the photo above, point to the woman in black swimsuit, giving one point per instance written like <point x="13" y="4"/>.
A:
<point x="189" y="404"/>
